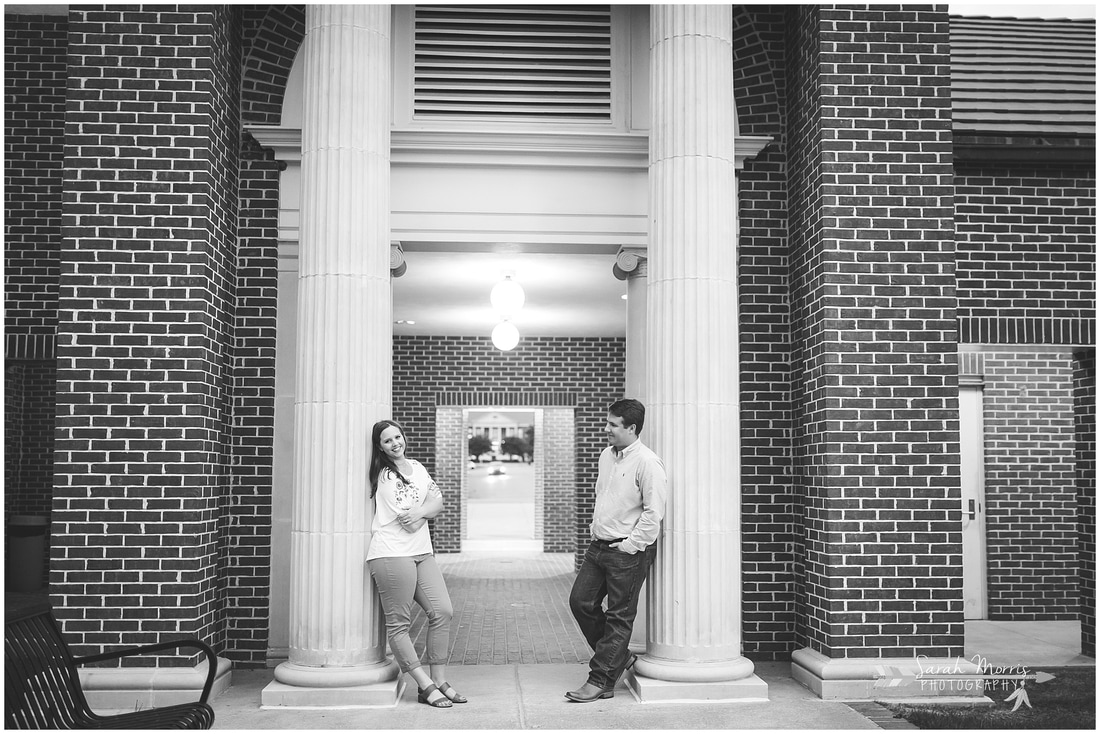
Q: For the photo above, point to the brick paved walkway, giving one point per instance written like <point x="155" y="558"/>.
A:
<point x="509" y="609"/>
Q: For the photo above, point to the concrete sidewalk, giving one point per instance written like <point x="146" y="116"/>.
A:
<point x="516" y="696"/>
<point x="526" y="696"/>
<point x="515" y="650"/>
<point x="1049" y="643"/>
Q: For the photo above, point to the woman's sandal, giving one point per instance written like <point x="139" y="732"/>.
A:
<point x="451" y="693"/>
<point x="442" y="702"/>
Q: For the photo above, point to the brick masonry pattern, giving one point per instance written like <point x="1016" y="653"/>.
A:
<point x="270" y="39"/>
<point x="145" y="325"/>
<point x="1026" y="252"/>
<point x="1084" y="402"/>
<point x="767" y="491"/>
<point x="588" y="370"/>
<point x="875" y="364"/>
<point x="273" y="34"/>
<point x="35" y="49"/>
<point x="803" y="211"/>
<point x="1030" y="487"/>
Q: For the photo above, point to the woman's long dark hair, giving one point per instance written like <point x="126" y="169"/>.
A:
<point x="379" y="459"/>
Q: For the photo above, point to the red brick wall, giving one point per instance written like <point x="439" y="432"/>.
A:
<point x="272" y="36"/>
<point x="29" y="426"/>
<point x="767" y="491"/>
<point x="758" y="82"/>
<point x="804" y="248"/>
<point x="253" y="428"/>
<point x="34" y="121"/>
<point x="1026" y="241"/>
<point x="562" y="526"/>
<point x="583" y="373"/>
<point x="1030" y="486"/>
<point x="35" y="50"/>
<point x="873" y="306"/>
<point x="145" y="325"/>
<point x="1084" y="409"/>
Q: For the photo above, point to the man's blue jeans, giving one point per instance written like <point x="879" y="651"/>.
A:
<point x="618" y="576"/>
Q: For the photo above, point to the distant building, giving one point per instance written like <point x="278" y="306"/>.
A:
<point x="496" y="426"/>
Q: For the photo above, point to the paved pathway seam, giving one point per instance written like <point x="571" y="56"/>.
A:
<point x="880" y="716"/>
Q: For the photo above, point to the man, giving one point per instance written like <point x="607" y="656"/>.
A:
<point x="630" y="502"/>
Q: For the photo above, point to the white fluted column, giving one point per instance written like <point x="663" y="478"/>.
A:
<point x="694" y="626"/>
<point x="343" y="358"/>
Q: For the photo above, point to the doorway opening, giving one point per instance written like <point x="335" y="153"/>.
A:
<point x="509" y="581"/>
<point x="972" y="469"/>
<point x="500" y="492"/>
<point x="554" y="511"/>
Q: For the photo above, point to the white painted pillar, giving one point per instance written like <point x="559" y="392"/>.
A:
<point x="337" y="642"/>
<point x="694" y="598"/>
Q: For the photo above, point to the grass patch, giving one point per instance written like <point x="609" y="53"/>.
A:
<point x="1067" y="702"/>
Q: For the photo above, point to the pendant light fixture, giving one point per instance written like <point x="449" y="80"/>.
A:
<point x="507" y="298"/>
<point x="505" y="336"/>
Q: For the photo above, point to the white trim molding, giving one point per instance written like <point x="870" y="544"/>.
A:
<point x="121" y="690"/>
<point x="505" y="147"/>
<point x="747" y="147"/>
<point x="881" y="679"/>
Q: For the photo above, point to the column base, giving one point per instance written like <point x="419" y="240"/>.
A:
<point x="303" y="686"/>
<point x="111" y="690"/>
<point x="649" y="690"/>
<point x="885" y="679"/>
<point x="375" y="695"/>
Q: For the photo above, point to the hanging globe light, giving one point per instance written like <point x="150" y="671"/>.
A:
<point x="507" y="297"/>
<point x="505" y="336"/>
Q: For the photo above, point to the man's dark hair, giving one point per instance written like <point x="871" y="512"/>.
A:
<point x="631" y="411"/>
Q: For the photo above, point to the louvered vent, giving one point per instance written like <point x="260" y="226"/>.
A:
<point x="523" y="62"/>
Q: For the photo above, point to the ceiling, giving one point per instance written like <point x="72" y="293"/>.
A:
<point x="447" y="294"/>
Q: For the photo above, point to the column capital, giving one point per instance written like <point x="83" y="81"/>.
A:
<point x="630" y="262"/>
<point x="398" y="266"/>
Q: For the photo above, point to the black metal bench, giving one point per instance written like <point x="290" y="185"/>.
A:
<point x="42" y="687"/>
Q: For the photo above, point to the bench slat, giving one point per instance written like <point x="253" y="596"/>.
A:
<point x="42" y="687"/>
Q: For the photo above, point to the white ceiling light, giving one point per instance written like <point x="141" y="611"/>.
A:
<point x="505" y="336"/>
<point x="507" y="297"/>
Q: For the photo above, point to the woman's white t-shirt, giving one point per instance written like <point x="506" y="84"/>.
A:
<point x="394" y="495"/>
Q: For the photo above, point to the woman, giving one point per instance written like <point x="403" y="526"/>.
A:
<point x="402" y="562"/>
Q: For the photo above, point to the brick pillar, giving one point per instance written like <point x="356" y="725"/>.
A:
<point x="1084" y="423"/>
<point x="145" y="325"/>
<point x="34" y="137"/>
<point x="873" y="279"/>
